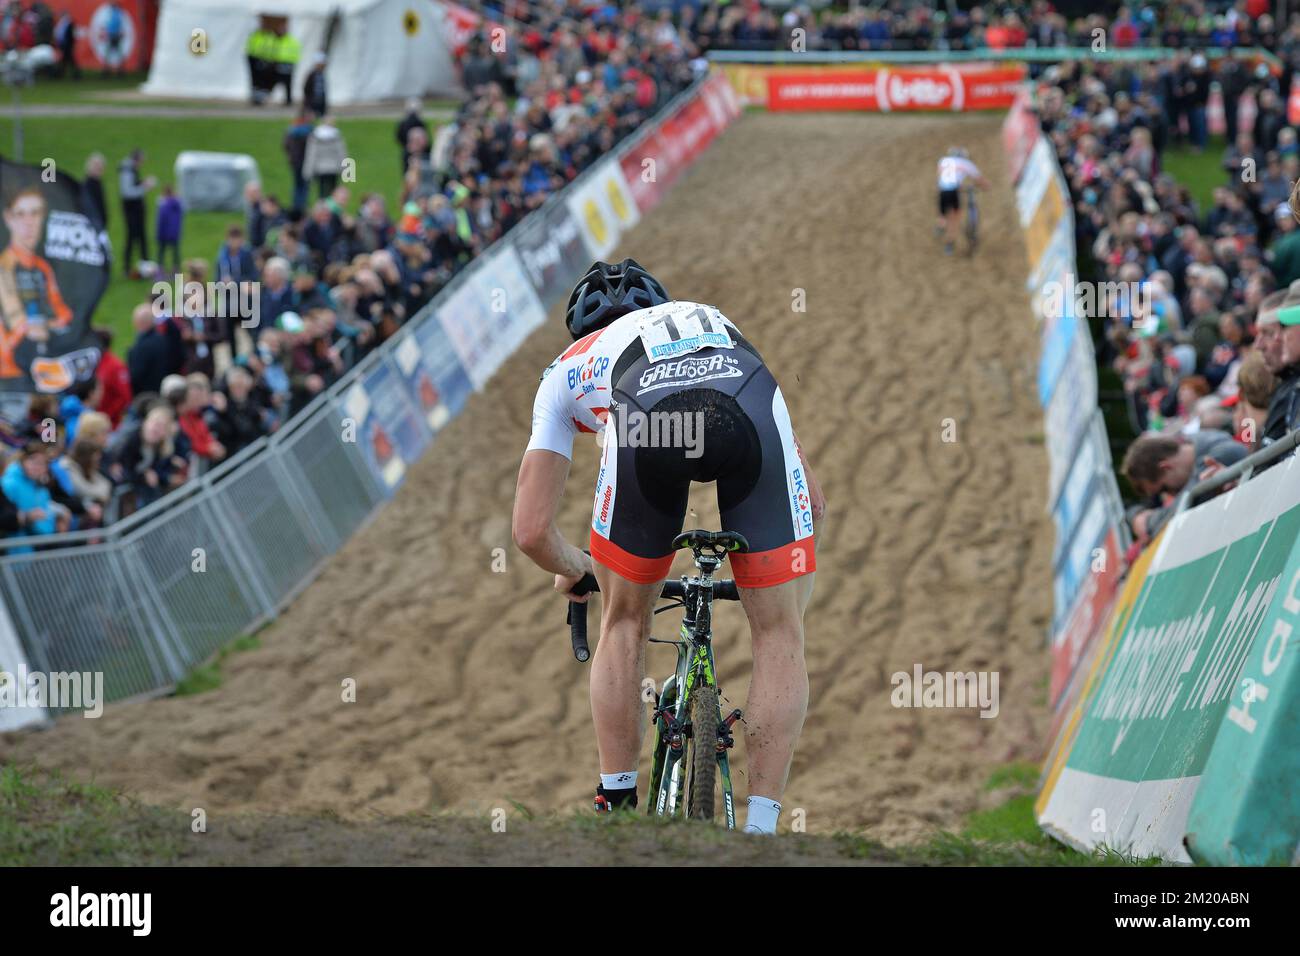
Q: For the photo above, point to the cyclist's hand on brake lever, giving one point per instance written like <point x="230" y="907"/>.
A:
<point x="565" y="584"/>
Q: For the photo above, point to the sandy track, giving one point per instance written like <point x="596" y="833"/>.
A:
<point x="932" y="552"/>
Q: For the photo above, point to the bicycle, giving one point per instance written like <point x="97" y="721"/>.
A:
<point x="691" y="736"/>
<point x="972" y="221"/>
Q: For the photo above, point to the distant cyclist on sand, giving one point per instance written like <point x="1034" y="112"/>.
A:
<point x="954" y="169"/>
<point x="637" y="355"/>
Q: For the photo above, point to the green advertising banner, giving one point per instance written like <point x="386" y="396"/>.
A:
<point x="1247" y="809"/>
<point x="1141" y="749"/>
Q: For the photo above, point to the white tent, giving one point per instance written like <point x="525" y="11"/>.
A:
<point x="381" y="49"/>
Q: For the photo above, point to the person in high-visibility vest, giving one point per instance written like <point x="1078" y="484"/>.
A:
<point x="287" y="52"/>
<point x="258" y="50"/>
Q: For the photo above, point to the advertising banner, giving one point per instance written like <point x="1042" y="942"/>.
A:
<point x="490" y="313"/>
<point x="53" y="270"/>
<point x="1162" y="692"/>
<point x="1095" y="594"/>
<point x="641" y="171"/>
<point x="436" y="383"/>
<point x="1247" y="808"/>
<point x="385" y="424"/>
<point x="1073" y="402"/>
<point x="1096" y="653"/>
<point x="1020" y="133"/>
<point x="896" y="88"/>
<point x="1031" y="186"/>
<point x="112" y="35"/>
<point x="603" y="207"/>
<point x="552" y="251"/>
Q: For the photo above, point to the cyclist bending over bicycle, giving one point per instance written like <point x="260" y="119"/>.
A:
<point x="954" y="170"/>
<point x="678" y="396"/>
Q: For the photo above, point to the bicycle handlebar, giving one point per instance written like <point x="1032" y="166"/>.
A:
<point x="724" y="590"/>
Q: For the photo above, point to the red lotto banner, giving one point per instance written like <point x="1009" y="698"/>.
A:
<point x="897" y="89"/>
<point x="652" y="165"/>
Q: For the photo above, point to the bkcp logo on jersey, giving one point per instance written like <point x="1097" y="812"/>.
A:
<point x="800" y="502"/>
<point x="585" y="375"/>
<point x="689" y="371"/>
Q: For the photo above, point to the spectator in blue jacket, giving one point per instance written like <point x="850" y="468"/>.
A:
<point x="25" y="484"/>
<point x="170" y="216"/>
<point x="278" y="294"/>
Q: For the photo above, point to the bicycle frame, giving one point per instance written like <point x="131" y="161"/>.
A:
<point x="673" y="740"/>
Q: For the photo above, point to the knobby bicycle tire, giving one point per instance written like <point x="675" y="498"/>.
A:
<point x="704" y="752"/>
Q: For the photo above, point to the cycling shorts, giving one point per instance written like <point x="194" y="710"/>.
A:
<point x="949" y="201"/>
<point x="715" y="415"/>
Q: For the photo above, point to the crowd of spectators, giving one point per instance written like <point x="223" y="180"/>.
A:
<point x="910" y="25"/>
<point x="1198" y="322"/>
<point x="336" y="270"/>
<point x="321" y="281"/>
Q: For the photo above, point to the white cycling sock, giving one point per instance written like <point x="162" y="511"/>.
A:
<point x="762" y="815"/>
<point x="618" y="781"/>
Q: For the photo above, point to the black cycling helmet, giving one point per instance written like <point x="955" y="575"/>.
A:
<point x="607" y="292"/>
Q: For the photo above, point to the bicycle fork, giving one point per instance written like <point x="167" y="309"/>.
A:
<point x="673" y="729"/>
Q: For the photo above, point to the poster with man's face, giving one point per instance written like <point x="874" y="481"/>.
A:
<point x="53" y="270"/>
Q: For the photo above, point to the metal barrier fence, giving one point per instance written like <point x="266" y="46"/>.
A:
<point x="147" y="599"/>
<point x="146" y="603"/>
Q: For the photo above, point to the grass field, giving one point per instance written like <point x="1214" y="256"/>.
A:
<point x="69" y="140"/>
<point x="1200" y="172"/>
<point x="47" y="820"/>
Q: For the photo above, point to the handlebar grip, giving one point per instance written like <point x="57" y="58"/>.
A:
<point x="577" y="618"/>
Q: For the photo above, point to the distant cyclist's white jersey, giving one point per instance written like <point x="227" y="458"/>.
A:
<point x="574" y="393"/>
<point x="953" y="171"/>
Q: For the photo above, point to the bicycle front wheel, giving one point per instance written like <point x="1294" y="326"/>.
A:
<point x="704" y="752"/>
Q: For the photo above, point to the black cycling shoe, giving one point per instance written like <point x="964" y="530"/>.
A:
<point x="607" y="801"/>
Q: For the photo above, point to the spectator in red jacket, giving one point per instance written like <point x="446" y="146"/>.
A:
<point x="1124" y="31"/>
<point x="115" y="378"/>
<point x="191" y="411"/>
